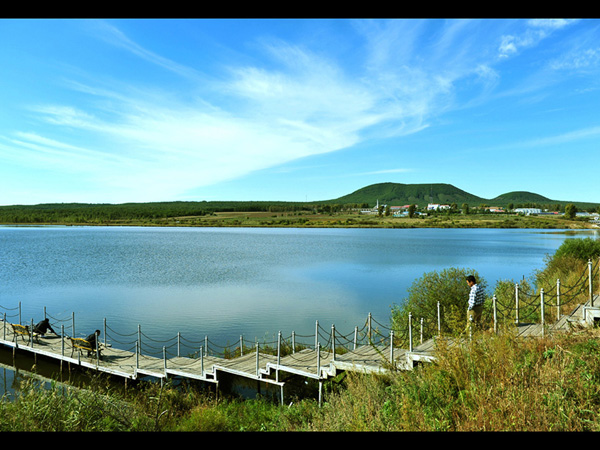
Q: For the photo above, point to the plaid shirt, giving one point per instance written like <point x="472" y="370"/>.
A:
<point x="476" y="296"/>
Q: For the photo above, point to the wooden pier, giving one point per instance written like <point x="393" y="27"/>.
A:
<point x="312" y="363"/>
<point x="315" y="363"/>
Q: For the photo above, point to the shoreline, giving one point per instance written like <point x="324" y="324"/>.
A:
<point x="254" y="220"/>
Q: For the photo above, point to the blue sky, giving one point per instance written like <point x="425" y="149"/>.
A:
<point x="114" y="111"/>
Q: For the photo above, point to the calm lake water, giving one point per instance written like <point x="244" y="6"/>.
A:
<point x="230" y="282"/>
<point x="227" y="282"/>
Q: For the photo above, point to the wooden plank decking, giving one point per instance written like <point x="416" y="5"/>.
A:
<point x="309" y="363"/>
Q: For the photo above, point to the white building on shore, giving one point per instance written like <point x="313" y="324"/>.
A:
<point x="528" y="211"/>
<point x="436" y="207"/>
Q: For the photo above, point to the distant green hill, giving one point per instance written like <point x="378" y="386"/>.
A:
<point x="522" y="197"/>
<point x="392" y="194"/>
<point x="405" y="194"/>
<point x="397" y="194"/>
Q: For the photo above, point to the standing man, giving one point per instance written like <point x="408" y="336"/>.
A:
<point x="476" y="300"/>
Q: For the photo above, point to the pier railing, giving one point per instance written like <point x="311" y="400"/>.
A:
<point x="544" y="306"/>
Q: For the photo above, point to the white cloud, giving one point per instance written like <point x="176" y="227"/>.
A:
<point x="153" y="146"/>
<point x="583" y="59"/>
<point x="571" y="136"/>
<point x="141" y="144"/>
<point x="551" y="24"/>
<point x="116" y="37"/>
<point x="536" y="31"/>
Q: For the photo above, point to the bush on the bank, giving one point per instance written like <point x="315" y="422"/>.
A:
<point x="583" y="249"/>
<point x="449" y="288"/>
<point x="569" y="263"/>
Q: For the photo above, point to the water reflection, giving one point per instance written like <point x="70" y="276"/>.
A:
<point x="224" y="283"/>
<point x="227" y="282"/>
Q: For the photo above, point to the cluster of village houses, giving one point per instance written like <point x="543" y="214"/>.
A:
<point x="401" y="211"/>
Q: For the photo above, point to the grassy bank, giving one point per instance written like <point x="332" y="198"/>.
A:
<point x="498" y="383"/>
<point x="355" y="220"/>
<point x="495" y="383"/>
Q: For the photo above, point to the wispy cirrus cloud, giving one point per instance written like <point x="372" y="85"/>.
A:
<point x="535" y="31"/>
<point x="152" y="141"/>
<point x="302" y="105"/>
<point x="114" y="36"/>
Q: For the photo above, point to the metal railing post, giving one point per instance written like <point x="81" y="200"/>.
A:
<point x="333" y="342"/>
<point x="495" y="312"/>
<point x="557" y="299"/>
<point x="318" y="360"/>
<point x="517" y="303"/>
<point x="410" y="346"/>
<point x="391" y="346"/>
<point x="542" y="309"/>
<point x="470" y="328"/>
<point x="278" y="356"/>
<point x="202" y="360"/>
<point x="590" y="282"/>
<point x="257" y="360"/>
<point x="439" y="319"/>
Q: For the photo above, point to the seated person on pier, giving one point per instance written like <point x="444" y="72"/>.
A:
<point x="43" y="327"/>
<point x="92" y="338"/>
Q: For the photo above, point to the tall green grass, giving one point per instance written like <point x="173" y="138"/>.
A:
<point x="494" y="383"/>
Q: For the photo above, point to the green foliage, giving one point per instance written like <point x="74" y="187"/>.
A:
<point x="411" y="210"/>
<point x="449" y="288"/>
<point x="569" y="265"/>
<point x="582" y="249"/>
<point x="570" y="211"/>
<point x="497" y="383"/>
<point x="102" y="213"/>
<point x="59" y="408"/>
<point x="406" y="194"/>
<point x="399" y="194"/>
<point x="392" y="194"/>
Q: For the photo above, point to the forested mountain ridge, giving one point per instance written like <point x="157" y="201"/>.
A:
<point x="391" y="194"/>
<point x="407" y="194"/>
<point x="398" y="194"/>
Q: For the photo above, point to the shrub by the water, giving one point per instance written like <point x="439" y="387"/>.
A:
<point x="492" y="383"/>
<point x="583" y="249"/>
<point x="447" y="287"/>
